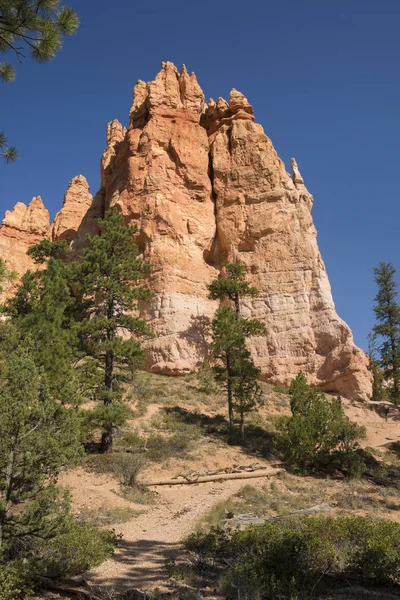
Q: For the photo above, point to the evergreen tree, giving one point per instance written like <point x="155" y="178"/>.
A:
<point x="236" y="370"/>
<point x="108" y="279"/>
<point x="378" y="391"/>
<point x="246" y="390"/>
<point x="38" y="436"/>
<point x="232" y="285"/>
<point x="387" y="314"/>
<point x="34" y="26"/>
<point x="43" y="309"/>
<point x="8" y="153"/>
<point x="318" y="433"/>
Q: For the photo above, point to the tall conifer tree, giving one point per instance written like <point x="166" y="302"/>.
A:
<point x="43" y="309"/>
<point x="387" y="314"/>
<point x="109" y="278"/>
<point x="235" y="368"/>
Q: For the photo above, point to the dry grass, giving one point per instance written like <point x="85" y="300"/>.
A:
<point x="106" y="515"/>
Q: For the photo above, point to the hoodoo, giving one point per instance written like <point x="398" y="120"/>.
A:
<point x="203" y="183"/>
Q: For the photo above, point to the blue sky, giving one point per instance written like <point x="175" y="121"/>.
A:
<point x="323" y="77"/>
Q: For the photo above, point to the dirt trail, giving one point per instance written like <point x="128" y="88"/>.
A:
<point x="155" y="535"/>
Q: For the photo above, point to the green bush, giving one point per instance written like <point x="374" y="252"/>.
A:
<point x="80" y="548"/>
<point x="284" y="559"/>
<point x="76" y="551"/>
<point x="318" y="435"/>
<point x="15" y="580"/>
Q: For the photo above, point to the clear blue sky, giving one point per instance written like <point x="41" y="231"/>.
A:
<point x="324" y="79"/>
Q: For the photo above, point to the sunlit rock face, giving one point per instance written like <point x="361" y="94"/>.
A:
<point x="202" y="184"/>
<point x="22" y="227"/>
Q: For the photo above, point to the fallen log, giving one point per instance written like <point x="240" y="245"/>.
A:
<point x="206" y="479"/>
<point x="245" y="520"/>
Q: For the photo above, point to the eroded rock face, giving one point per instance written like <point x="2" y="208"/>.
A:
<point x="204" y="184"/>
<point x="77" y="201"/>
<point x="264" y="222"/>
<point x="22" y="227"/>
<point x="158" y="175"/>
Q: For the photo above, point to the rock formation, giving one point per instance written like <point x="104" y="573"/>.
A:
<point x="22" y="227"/>
<point x="204" y="184"/>
<point x="76" y="203"/>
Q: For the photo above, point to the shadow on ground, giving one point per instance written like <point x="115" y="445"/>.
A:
<point x="144" y="565"/>
<point x="259" y="441"/>
<point x="387" y="410"/>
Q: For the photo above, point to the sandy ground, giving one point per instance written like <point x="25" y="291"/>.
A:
<point x="153" y="536"/>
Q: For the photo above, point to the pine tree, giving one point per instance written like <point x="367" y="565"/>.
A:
<point x="317" y="432"/>
<point x="108" y="279"/>
<point x="387" y="314"/>
<point x="236" y="369"/>
<point x="232" y="285"/>
<point x="42" y="309"/>
<point x="8" y="153"/>
<point x="38" y="436"/>
<point x="246" y="390"/>
<point x="378" y="391"/>
<point x="34" y="26"/>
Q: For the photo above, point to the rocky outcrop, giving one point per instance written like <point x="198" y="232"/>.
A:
<point x="159" y="175"/>
<point x="204" y="184"/>
<point x="77" y="201"/>
<point x="22" y="227"/>
<point x="264" y="222"/>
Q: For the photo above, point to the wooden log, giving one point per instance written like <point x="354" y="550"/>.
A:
<point x="206" y="479"/>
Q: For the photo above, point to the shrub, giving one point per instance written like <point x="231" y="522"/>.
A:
<point x="15" y="580"/>
<point x="76" y="551"/>
<point x="291" y="557"/>
<point x="318" y="434"/>
<point x="124" y="466"/>
<point x="80" y="548"/>
<point x="160" y="448"/>
<point x="127" y="468"/>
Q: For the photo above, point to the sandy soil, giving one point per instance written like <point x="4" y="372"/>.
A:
<point x="153" y="536"/>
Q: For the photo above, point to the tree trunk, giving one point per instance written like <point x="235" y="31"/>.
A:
<point x="108" y="429"/>
<point x="242" y="425"/>
<point x="5" y="497"/>
<point x="107" y="435"/>
<point x="230" y="400"/>
<point x="106" y="444"/>
<point x="237" y="306"/>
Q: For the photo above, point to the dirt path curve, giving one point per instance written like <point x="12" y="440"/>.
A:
<point x="155" y="535"/>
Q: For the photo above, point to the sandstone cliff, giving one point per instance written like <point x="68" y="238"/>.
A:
<point x="22" y="227"/>
<point x="203" y="183"/>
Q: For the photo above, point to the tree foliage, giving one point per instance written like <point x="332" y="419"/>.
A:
<point x="387" y="328"/>
<point x="108" y="278"/>
<point x="297" y="558"/>
<point x="33" y="26"/>
<point x="43" y="308"/>
<point x="235" y="368"/>
<point x="318" y="434"/>
<point x="8" y="153"/>
<point x="38" y="436"/>
<point x="36" y="27"/>
<point x="232" y="285"/>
